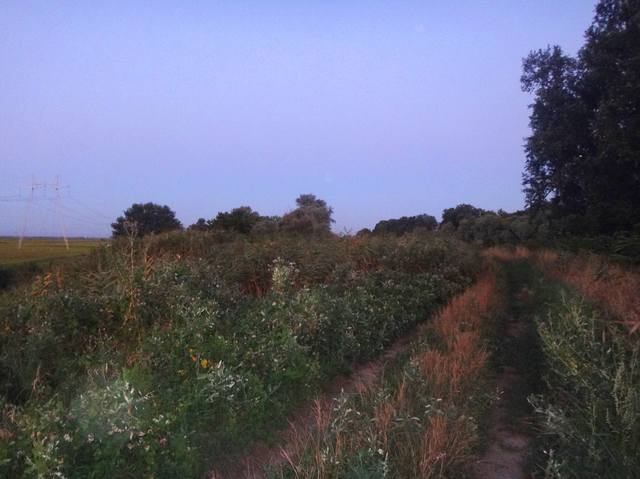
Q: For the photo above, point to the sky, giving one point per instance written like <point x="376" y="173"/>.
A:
<point x="383" y="109"/>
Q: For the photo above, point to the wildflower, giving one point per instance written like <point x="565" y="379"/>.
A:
<point x="204" y="363"/>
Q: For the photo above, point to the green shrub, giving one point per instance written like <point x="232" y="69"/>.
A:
<point x="591" y="411"/>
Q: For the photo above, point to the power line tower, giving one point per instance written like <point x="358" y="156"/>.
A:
<point x="53" y="187"/>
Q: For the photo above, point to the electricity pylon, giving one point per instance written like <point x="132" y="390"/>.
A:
<point x="57" y="201"/>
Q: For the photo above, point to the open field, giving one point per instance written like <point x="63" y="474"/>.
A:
<point x="42" y="249"/>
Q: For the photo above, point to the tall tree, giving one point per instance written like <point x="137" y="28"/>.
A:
<point x="583" y="156"/>
<point x="312" y="215"/>
<point x="145" y="218"/>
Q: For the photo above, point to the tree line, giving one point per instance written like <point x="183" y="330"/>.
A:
<point x="313" y="216"/>
<point x="582" y="173"/>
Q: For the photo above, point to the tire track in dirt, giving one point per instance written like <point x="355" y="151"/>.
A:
<point x="511" y="429"/>
<point x="362" y="377"/>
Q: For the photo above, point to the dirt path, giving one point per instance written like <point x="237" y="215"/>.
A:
<point x="363" y="376"/>
<point x="511" y="429"/>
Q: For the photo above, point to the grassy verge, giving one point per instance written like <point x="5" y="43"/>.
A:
<point x="590" y="407"/>
<point x="586" y="313"/>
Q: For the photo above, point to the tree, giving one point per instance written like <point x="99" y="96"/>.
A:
<point x="583" y="156"/>
<point x="406" y="224"/>
<point x="311" y="216"/>
<point x="554" y="169"/>
<point x="143" y="219"/>
<point x="240" y="220"/>
<point x="454" y="216"/>
<point x="199" y="225"/>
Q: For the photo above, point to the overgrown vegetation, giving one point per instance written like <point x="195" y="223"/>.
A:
<point x="422" y="420"/>
<point x="589" y="409"/>
<point x="173" y="352"/>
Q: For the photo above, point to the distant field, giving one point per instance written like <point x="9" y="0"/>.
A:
<point x="43" y="249"/>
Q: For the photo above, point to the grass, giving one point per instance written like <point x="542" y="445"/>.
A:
<point x="421" y="419"/>
<point x="614" y="287"/>
<point x="38" y="255"/>
<point x="589" y="409"/>
<point x="43" y="250"/>
<point x="586" y="313"/>
<point x="167" y="356"/>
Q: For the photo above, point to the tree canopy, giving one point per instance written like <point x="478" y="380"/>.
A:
<point x="406" y="224"/>
<point x="583" y="156"/>
<point x="454" y="216"/>
<point x="141" y="219"/>
<point x="312" y="215"/>
<point x="241" y="220"/>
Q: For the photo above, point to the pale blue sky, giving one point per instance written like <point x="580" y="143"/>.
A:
<point x="383" y="109"/>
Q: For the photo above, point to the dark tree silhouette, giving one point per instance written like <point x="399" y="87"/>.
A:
<point x="241" y="220"/>
<point x="406" y="224"/>
<point x="583" y="156"/>
<point x="142" y="219"/>
<point x="311" y="216"/>
<point x="454" y="216"/>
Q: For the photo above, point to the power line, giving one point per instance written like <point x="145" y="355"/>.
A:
<point x="55" y="187"/>
<point x="88" y="208"/>
<point x="80" y="218"/>
<point x="42" y="193"/>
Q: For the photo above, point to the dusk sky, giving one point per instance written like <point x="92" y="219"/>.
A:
<point x="382" y="109"/>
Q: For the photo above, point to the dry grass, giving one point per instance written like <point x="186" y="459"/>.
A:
<point x="617" y="289"/>
<point x="613" y="286"/>
<point x="445" y="443"/>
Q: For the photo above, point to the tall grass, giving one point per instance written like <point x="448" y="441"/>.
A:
<point x="591" y="409"/>
<point x="613" y="286"/>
